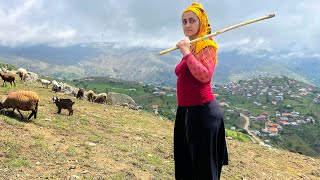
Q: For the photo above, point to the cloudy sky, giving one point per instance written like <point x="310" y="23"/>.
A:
<point x="156" y="23"/>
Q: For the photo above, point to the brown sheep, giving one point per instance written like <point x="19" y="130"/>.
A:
<point x="101" y="98"/>
<point x="91" y="96"/>
<point x="80" y="94"/>
<point x="7" y="78"/>
<point x="22" y="100"/>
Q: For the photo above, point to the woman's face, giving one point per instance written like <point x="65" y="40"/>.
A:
<point x="190" y="24"/>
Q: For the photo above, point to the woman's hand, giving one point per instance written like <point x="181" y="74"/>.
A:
<point x="184" y="47"/>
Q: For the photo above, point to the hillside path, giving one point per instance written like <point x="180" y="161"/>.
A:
<point x="246" y="127"/>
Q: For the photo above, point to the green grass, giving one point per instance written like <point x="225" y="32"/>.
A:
<point x="238" y="135"/>
<point x="11" y="150"/>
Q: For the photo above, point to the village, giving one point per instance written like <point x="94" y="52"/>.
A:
<point x="273" y="103"/>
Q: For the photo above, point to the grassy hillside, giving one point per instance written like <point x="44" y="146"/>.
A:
<point x="109" y="142"/>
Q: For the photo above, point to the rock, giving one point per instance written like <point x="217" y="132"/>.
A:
<point x="117" y="99"/>
<point x="85" y="172"/>
<point x="72" y="167"/>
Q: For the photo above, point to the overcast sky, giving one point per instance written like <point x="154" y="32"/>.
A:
<point x="157" y="23"/>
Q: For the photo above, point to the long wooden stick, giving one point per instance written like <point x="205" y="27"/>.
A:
<point x="219" y="32"/>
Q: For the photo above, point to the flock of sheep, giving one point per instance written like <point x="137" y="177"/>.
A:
<point x="28" y="100"/>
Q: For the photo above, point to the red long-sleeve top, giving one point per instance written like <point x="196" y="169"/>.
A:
<point x="194" y="77"/>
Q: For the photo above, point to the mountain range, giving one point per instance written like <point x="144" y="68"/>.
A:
<point x="142" y="64"/>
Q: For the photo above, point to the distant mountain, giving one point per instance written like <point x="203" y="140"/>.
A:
<point x="144" y="65"/>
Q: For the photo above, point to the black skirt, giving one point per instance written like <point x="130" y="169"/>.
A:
<point x="200" y="148"/>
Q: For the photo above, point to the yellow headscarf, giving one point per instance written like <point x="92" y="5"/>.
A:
<point x="205" y="28"/>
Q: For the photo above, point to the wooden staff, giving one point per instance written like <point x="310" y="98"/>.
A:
<point x="219" y="32"/>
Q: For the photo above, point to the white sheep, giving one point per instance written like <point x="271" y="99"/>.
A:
<point x="45" y="82"/>
<point x="22" y="100"/>
<point x="55" y="86"/>
<point x="22" y="74"/>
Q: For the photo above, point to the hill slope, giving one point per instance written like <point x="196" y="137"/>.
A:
<point x="101" y="141"/>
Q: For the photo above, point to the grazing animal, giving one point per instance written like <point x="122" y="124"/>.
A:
<point x="91" y="96"/>
<point x="80" y="94"/>
<point x="22" y="74"/>
<point x="7" y="78"/>
<point x="101" y="98"/>
<point x="55" y="86"/>
<point x="63" y="104"/>
<point x="45" y="82"/>
<point x="22" y="100"/>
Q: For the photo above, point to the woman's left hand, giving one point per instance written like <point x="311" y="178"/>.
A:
<point x="184" y="47"/>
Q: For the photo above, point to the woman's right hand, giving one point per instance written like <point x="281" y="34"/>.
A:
<point x="184" y="47"/>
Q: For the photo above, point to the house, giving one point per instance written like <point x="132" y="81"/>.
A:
<point x="89" y="79"/>
<point x="274" y="102"/>
<point x="262" y="118"/>
<point x="286" y="115"/>
<point x="284" y="123"/>
<point x="301" y="121"/>
<point x="233" y="128"/>
<point x="166" y="88"/>
<point x="279" y="98"/>
<point x="273" y="125"/>
<point x="273" y="131"/>
<point x="230" y="110"/>
<point x="253" y="118"/>
<point x="155" y="106"/>
<point x="303" y="93"/>
<point x="264" y="131"/>
<point x="256" y="132"/>
<point x="162" y="93"/>
<point x="156" y="93"/>
<point x="295" y="116"/>
<point x="257" y="104"/>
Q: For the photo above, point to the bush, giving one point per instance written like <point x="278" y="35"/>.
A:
<point x="238" y="135"/>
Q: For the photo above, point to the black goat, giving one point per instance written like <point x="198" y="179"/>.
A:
<point x="63" y="104"/>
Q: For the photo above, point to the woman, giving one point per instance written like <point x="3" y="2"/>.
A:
<point x="199" y="137"/>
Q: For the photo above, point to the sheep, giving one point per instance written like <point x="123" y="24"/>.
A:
<point x="80" y="94"/>
<point x="45" y="82"/>
<point x="101" y="98"/>
<point x="55" y="86"/>
<point x="22" y="100"/>
<point x="63" y="104"/>
<point x="22" y="74"/>
<point x="91" y="96"/>
<point x="5" y="70"/>
<point x="7" y="78"/>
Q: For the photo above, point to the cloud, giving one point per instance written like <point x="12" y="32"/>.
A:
<point x="157" y="23"/>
